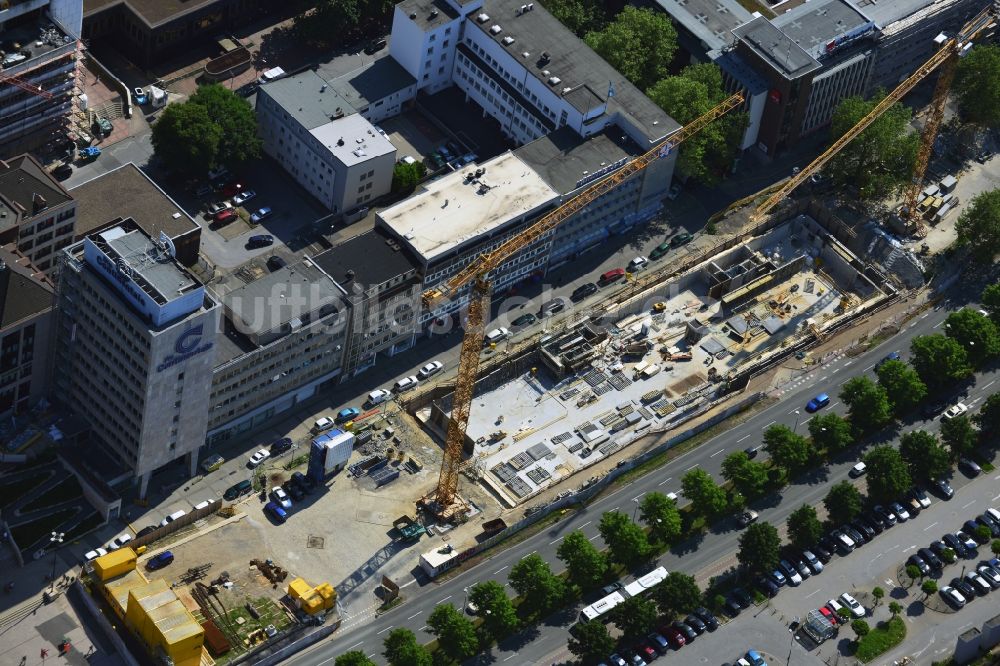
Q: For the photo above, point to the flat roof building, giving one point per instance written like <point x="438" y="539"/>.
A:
<point x="378" y="90"/>
<point x="127" y="192"/>
<point x="333" y="152"/>
<point x="135" y="338"/>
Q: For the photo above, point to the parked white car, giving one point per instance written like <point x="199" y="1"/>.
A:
<point x="258" y="457"/>
<point x="497" y="335"/>
<point x="955" y="410"/>
<point x="378" y="396"/>
<point x="172" y="517"/>
<point x="857" y="610"/>
<point x="406" y="383"/>
<point x="94" y="554"/>
<point x="119" y="541"/>
<point x="281" y="497"/>
<point x="431" y="368"/>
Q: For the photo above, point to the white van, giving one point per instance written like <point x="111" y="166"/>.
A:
<point x="497" y="335"/>
<point x="378" y="396"/>
<point x="406" y="383"/>
<point x="322" y="424"/>
<point x="172" y="517"/>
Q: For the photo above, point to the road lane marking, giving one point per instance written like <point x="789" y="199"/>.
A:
<point x="500" y="569"/>
<point x="791" y="412"/>
<point x="593" y="537"/>
<point x="414" y="615"/>
<point x="834" y="404"/>
<point x="869" y="367"/>
<point x="769" y="424"/>
<point x="966" y="506"/>
<point x="510" y="657"/>
<point x="717" y="453"/>
<point x="847" y="363"/>
<point x="636" y="498"/>
<point x="614" y="509"/>
<point x="909" y="548"/>
<point x="930" y="526"/>
<point x="877" y="556"/>
<point x="892" y="548"/>
<point x="424" y="628"/>
<point x="588" y="522"/>
<point x="355" y="645"/>
<point x="529" y="554"/>
<point x="813" y="593"/>
<point x="937" y="324"/>
<point x="742" y="438"/>
<point x="557" y="540"/>
<point x="691" y="467"/>
<point x="995" y="498"/>
<point x="925" y="315"/>
<point x="445" y="599"/>
<point x="385" y="630"/>
<point x="990" y="384"/>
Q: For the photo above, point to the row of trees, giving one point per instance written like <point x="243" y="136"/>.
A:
<point x="332" y="22"/>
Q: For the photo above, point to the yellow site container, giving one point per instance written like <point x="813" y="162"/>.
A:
<point x="114" y="564"/>
<point x="162" y="622"/>
<point x="116" y="590"/>
<point x="329" y="595"/>
<point x="312" y="600"/>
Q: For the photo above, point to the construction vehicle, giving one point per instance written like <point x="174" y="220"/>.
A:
<point x="443" y="501"/>
<point x="409" y="530"/>
<point x="948" y="54"/>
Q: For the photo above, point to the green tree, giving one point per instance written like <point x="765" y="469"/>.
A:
<point x="844" y="614"/>
<point x="329" y="21"/>
<point x="878" y="162"/>
<point x="902" y="385"/>
<point x="353" y="658"/>
<point x="923" y="455"/>
<point x="405" y="177"/>
<point x="878" y="593"/>
<point x="636" y="617"/>
<point x="591" y="642"/>
<point x="939" y="360"/>
<point x="804" y="528"/>
<point x="995" y="546"/>
<point x="540" y="589"/>
<point x="402" y="649"/>
<point x="455" y="633"/>
<point x="580" y="16"/>
<point x="843" y="503"/>
<point x="982" y="533"/>
<point x="988" y="418"/>
<point x="831" y="432"/>
<point x="948" y="555"/>
<point x="687" y="96"/>
<point x="788" y="449"/>
<point x="707" y="497"/>
<point x="895" y="608"/>
<point x="959" y="435"/>
<point x="627" y="542"/>
<point x="186" y="140"/>
<point x="661" y="516"/>
<point x="978" y="99"/>
<point x="495" y="609"/>
<point x="990" y="300"/>
<point x="976" y="333"/>
<point x="639" y="43"/>
<point x="748" y="477"/>
<point x="888" y="477"/>
<point x="677" y="594"/>
<point x="913" y="572"/>
<point x="868" y="405"/>
<point x="235" y="118"/>
<point x="978" y="226"/>
<point x="860" y="628"/>
<point x="586" y="566"/>
<point x="928" y="587"/>
<point x="758" y="551"/>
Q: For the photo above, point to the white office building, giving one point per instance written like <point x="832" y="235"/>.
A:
<point x="314" y="133"/>
<point x="136" y="333"/>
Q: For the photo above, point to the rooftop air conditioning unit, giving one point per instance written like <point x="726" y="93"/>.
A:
<point x="483" y="18"/>
<point x="554" y="80"/>
<point x="531" y="6"/>
<point x="525" y="54"/>
<point x="496" y="30"/>
<point x="508" y="40"/>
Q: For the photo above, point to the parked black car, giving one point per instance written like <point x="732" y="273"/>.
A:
<point x="688" y="632"/>
<point x="695" y="623"/>
<point x="932" y="560"/>
<point x="955" y="544"/>
<point x="858" y="538"/>
<point x="879" y="523"/>
<point x="861" y="526"/>
<point x="741" y="596"/>
<point x="918" y="562"/>
<point x="821" y="553"/>
<point x="766" y="586"/>
<point x="706" y="616"/>
<point x="281" y="445"/>
<point x="943" y="488"/>
<point x="583" y="291"/>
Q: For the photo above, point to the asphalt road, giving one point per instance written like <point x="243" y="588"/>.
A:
<point x="365" y="633"/>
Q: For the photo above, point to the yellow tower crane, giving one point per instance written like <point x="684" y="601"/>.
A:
<point x="477" y="273"/>
<point x="947" y="55"/>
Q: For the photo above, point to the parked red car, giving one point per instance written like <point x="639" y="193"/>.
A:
<point x="225" y="216"/>
<point x="674" y="637"/>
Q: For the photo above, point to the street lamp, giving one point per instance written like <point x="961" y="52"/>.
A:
<point x="636" y="501"/>
<point x="55" y="538"/>
<point x="797" y="414"/>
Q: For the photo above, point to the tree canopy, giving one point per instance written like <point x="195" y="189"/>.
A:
<point x="400" y="648"/>
<point x="880" y="160"/>
<point x="586" y="566"/>
<point x="639" y="43"/>
<point x="636" y="617"/>
<point x="627" y="542"/>
<point x="804" y="528"/>
<point x="843" y="503"/>
<point x="495" y="609"/>
<point x="959" y="435"/>
<point x="678" y="594"/>
<point x="406" y="177"/>
<point x="759" y="545"/>
<point x="661" y="516"/>
<point x="330" y="22"/>
<point x="868" y="405"/>
<point x="923" y="455"/>
<point x="186" y="140"/>
<point x="977" y="85"/>
<point x="990" y="300"/>
<point x="831" y="432"/>
<point x="978" y="226"/>
<point x="939" y="360"/>
<point x="977" y="335"/>
<point x="988" y="418"/>
<point x="540" y="589"/>
<point x="902" y="385"/>
<point x="235" y="118"/>
<point x="707" y="497"/>
<point x="580" y="16"/>
<point x="455" y="633"/>
<point x="888" y="476"/>
<point x="685" y="97"/>
<point x="749" y="478"/>
<point x="591" y="642"/>
<point x="787" y="448"/>
<point x="353" y="658"/>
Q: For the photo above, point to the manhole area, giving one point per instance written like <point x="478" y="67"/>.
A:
<point x="314" y="541"/>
